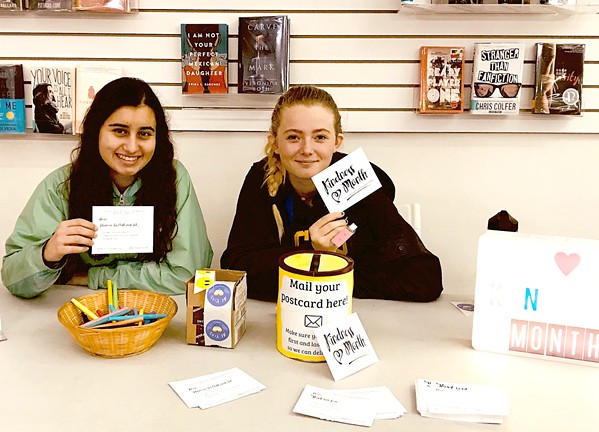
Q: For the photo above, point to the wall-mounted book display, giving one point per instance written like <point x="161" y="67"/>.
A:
<point x="535" y="7"/>
<point x="108" y="6"/>
<point x="558" y="79"/>
<point x="441" y="79"/>
<point x="263" y="54"/>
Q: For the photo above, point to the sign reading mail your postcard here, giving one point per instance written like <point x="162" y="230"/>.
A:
<point x="123" y="229"/>
<point x="347" y="181"/>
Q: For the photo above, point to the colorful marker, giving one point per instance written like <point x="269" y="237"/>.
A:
<point x="83" y="309"/>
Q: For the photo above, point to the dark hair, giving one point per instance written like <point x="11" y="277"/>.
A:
<point x="90" y="182"/>
<point x="40" y="94"/>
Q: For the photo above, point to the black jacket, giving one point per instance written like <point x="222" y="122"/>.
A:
<point x="390" y="260"/>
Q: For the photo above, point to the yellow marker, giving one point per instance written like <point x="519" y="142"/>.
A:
<point x="141" y="312"/>
<point x="109" y="289"/>
<point x="83" y="309"/>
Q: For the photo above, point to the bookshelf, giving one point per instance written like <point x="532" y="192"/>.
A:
<point x="534" y="8"/>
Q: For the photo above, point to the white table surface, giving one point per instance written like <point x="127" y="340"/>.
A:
<point x="48" y="383"/>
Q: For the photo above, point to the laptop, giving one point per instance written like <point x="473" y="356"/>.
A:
<point x="537" y="296"/>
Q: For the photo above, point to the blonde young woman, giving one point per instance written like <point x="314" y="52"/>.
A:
<point x="278" y="199"/>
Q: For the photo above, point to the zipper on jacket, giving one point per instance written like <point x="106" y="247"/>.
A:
<point x="122" y="200"/>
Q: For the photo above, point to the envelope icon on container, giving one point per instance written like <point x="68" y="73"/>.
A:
<point x="312" y="321"/>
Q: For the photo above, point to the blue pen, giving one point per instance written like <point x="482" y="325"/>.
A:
<point x="144" y="316"/>
<point x="106" y="318"/>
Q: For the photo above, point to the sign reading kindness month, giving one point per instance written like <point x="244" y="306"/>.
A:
<point x="345" y="346"/>
<point x="347" y="181"/>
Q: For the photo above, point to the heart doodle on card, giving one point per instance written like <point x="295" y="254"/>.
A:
<point x="567" y="263"/>
<point x="336" y="195"/>
<point x="338" y="354"/>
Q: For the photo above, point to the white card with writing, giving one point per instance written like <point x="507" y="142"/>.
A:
<point x="123" y="229"/>
<point x="328" y="405"/>
<point x="345" y="346"/>
<point x="347" y="181"/>
<point x="217" y="388"/>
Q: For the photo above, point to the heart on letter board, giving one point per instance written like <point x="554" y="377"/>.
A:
<point x="567" y="263"/>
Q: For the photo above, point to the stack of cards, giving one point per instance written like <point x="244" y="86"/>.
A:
<point x="355" y="406"/>
<point x="464" y="402"/>
<point x="214" y="389"/>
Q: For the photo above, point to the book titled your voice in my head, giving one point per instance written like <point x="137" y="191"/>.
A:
<point x="53" y="94"/>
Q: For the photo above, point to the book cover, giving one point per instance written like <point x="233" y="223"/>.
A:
<point x="441" y="79"/>
<point x="89" y="80"/>
<point x="53" y="93"/>
<point x="6" y="5"/>
<point x="54" y="5"/>
<point x="496" y="78"/>
<point x="558" y="79"/>
<point x="263" y="54"/>
<point x="103" y="5"/>
<point x="12" y="99"/>
<point x="204" y="58"/>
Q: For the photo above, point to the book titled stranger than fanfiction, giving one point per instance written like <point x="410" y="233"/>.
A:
<point x="496" y="78"/>
<point x="263" y="54"/>
<point x="204" y="58"/>
<point x="53" y="95"/>
<point x="12" y="99"/>
<point x="441" y="79"/>
<point x="558" y="79"/>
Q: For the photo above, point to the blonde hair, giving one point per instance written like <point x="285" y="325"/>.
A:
<point x="308" y="95"/>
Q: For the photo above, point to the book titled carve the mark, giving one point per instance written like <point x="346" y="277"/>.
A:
<point x="204" y="58"/>
<point x="263" y="54"/>
<point x="12" y="99"/>
<point x="558" y="79"/>
<point x="441" y="79"/>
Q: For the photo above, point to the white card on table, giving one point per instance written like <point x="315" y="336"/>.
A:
<point x="332" y="406"/>
<point x="345" y="346"/>
<point x="347" y="181"/>
<point x="217" y="388"/>
<point x="123" y="229"/>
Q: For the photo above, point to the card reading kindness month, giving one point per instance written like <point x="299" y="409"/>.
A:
<point x="347" y="181"/>
<point x="345" y="346"/>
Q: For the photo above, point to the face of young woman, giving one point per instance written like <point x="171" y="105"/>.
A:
<point x="127" y="142"/>
<point x="305" y="142"/>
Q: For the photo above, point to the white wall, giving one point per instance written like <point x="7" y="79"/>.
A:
<point x="548" y="182"/>
<point x="462" y="169"/>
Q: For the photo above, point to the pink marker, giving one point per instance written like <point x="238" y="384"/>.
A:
<point x="343" y="235"/>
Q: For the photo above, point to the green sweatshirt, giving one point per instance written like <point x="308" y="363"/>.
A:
<point x="25" y="274"/>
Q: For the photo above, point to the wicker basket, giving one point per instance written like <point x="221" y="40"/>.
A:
<point x="123" y="341"/>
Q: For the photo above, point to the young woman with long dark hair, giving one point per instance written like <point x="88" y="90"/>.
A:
<point x="125" y="157"/>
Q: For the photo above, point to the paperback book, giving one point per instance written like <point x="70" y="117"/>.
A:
<point x="103" y="5"/>
<point x="51" y="5"/>
<point x="12" y="99"/>
<point x="90" y="79"/>
<point x="11" y="5"/>
<point x="558" y="79"/>
<point x="496" y="78"/>
<point x="204" y="58"/>
<point x="53" y="94"/>
<point x="441" y="79"/>
<point x="263" y="54"/>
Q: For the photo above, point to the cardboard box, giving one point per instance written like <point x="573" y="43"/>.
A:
<point x="216" y="306"/>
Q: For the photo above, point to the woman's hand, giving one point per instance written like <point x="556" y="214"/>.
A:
<point x="71" y="237"/>
<point x="324" y="229"/>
